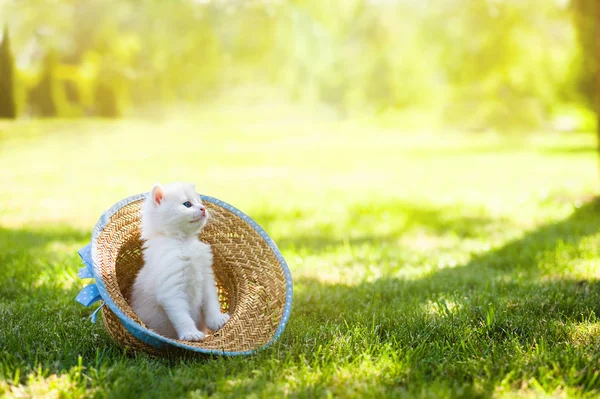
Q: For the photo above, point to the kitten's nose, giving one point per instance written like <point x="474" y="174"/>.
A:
<point x="203" y="210"/>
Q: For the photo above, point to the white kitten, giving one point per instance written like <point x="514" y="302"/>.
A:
<point x="175" y="293"/>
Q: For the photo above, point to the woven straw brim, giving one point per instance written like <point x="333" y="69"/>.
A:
<point x="250" y="279"/>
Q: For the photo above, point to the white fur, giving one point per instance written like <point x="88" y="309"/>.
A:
<point x="175" y="292"/>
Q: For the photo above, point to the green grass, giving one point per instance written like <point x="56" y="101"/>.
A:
<point x="424" y="265"/>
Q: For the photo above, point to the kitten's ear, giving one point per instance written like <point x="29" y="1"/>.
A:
<point x="193" y="186"/>
<point x="158" y="194"/>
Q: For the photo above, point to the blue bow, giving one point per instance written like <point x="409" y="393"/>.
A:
<point x="89" y="294"/>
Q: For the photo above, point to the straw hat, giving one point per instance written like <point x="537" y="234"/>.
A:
<point x="254" y="282"/>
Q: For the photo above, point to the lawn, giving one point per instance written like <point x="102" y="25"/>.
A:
<point x="424" y="265"/>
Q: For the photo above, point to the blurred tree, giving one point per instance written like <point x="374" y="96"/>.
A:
<point x="584" y="20"/>
<point x="48" y="98"/>
<point x="8" y="107"/>
<point x="586" y="15"/>
<point x="110" y="91"/>
<point x="506" y="62"/>
<point x="107" y="101"/>
<point x="597" y="25"/>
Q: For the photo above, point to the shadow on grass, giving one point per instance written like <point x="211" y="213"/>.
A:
<point x="465" y="322"/>
<point x="455" y="338"/>
<point x="517" y="257"/>
<point x="41" y="324"/>
<point x="27" y="254"/>
<point x="522" y="255"/>
<point x="516" y="262"/>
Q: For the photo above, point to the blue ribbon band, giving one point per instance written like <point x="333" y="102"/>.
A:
<point x="84" y="272"/>
<point x="87" y="297"/>
<point x="85" y="254"/>
<point x="89" y="294"/>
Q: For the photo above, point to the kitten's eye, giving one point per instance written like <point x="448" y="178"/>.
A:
<point x="187" y="204"/>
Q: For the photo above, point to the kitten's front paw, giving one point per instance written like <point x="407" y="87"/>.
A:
<point x="192" y="335"/>
<point x="217" y="321"/>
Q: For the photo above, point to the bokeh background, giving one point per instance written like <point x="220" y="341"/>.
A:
<point x="428" y="168"/>
<point x="477" y="65"/>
